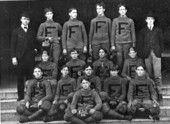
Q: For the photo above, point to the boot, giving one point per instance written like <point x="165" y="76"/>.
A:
<point x="75" y="120"/>
<point x="35" y="115"/>
<point x="23" y="119"/>
<point x="90" y="120"/>
<point x="128" y="117"/>
<point x="115" y="114"/>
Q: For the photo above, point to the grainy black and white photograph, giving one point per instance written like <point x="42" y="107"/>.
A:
<point x="84" y="61"/>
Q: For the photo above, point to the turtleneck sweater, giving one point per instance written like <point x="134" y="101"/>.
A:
<point x="115" y="86"/>
<point x="130" y="66"/>
<point x="141" y="88"/>
<point x="65" y="86"/>
<point x="74" y="34"/>
<point x="38" y="89"/>
<point x="86" y="99"/>
<point x="100" y="30"/>
<point x="49" y="29"/>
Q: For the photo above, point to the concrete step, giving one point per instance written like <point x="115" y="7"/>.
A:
<point x="11" y="93"/>
<point x="165" y="101"/>
<point x="11" y="115"/>
<point x="163" y="120"/>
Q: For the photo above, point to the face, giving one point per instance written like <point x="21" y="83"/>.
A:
<point x="25" y="21"/>
<point x="37" y="73"/>
<point x="49" y="15"/>
<point x="150" y="20"/>
<point x="45" y="57"/>
<point x="122" y="11"/>
<point x="132" y="54"/>
<point x="114" y="72"/>
<point x="102" y="53"/>
<point x="64" y="71"/>
<point x="100" y="10"/>
<point x="88" y="71"/>
<point x="73" y="14"/>
<point x="74" y="55"/>
<point x="140" y="71"/>
<point x="85" y="84"/>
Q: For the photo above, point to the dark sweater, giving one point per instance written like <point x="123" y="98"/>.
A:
<point x="141" y="88"/>
<point x="65" y="86"/>
<point x="86" y="99"/>
<point x="49" y="70"/>
<point x="38" y="89"/>
<point x="115" y="86"/>
<point x="74" y="34"/>
<point x="100" y="30"/>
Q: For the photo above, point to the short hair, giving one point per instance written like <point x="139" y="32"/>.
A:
<point x="74" y="50"/>
<point x="103" y="50"/>
<point x="48" y="10"/>
<point x="71" y="9"/>
<point x="138" y="65"/>
<point x="65" y="66"/>
<point x="45" y="52"/>
<point x="37" y="68"/>
<point x="101" y="4"/>
<point x="132" y="49"/>
<point x="121" y="5"/>
<point x="87" y="65"/>
<point x="84" y="78"/>
<point x="114" y="68"/>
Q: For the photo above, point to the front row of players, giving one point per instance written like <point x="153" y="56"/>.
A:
<point x="84" y="102"/>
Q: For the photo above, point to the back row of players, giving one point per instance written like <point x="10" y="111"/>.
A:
<point x="104" y="39"/>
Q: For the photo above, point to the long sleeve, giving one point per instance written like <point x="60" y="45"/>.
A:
<point x="124" y="91"/>
<point x="133" y="32"/>
<point x="152" y="91"/>
<point x="75" y="100"/>
<point x="28" y="92"/>
<point x="98" y="84"/>
<point x="57" y="94"/>
<point x="84" y="34"/>
<point x="48" y="91"/>
<point x="40" y="36"/>
<point x="113" y="33"/>
<point x="55" y="72"/>
<point x="125" y="69"/>
<point x="97" y="100"/>
<point x="13" y="44"/>
<point x="161" y="38"/>
<point x="91" y="32"/>
<point x="109" y="30"/>
<point x="130" y="91"/>
<point x="64" y="36"/>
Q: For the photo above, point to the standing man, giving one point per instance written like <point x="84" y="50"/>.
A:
<point x="22" y="52"/>
<point x="74" y="35"/>
<point x="151" y="42"/>
<point x="123" y="35"/>
<point x="100" y="32"/>
<point x="49" y="34"/>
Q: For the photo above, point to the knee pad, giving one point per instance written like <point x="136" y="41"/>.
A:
<point x="20" y="109"/>
<point x="62" y="106"/>
<point x="105" y="108"/>
<point x="70" y="97"/>
<point x="131" y="110"/>
<point x="46" y="105"/>
<point x="122" y="108"/>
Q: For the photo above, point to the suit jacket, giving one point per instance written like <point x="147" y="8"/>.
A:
<point x="22" y="43"/>
<point x="151" y="40"/>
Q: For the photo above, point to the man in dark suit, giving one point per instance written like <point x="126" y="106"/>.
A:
<point x="151" y="42"/>
<point x="22" y="52"/>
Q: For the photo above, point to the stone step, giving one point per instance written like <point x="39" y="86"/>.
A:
<point x="163" y="120"/>
<point x="12" y="92"/>
<point x="11" y="115"/>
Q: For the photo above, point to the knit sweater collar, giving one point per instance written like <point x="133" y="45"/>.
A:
<point x="141" y="77"/>
<point x="66" y="77"/>
<point x="85" y="92"/>
<point x="49" y="21"/>
<point x="75" y="19"/>
<point x="103" y="59"/>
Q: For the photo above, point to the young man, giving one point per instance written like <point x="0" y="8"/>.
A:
<point x="100" y="32"/>
<point x="74" y="35"/>
<point x="75" y="64"/>
<point x="88" y="74"/>
<point x="130" y="64"/>
<point x="85" y="107"/>
<point x="151" y="39"/>
<point x="65" y="89"/>
<point x="49" y="34"/>
<point x="115" y="87"/>
<point x="123" y="35"/>
<point x="22" y="52"/>
<point x="37" y="98"/>
<point x="102" y="66"/>
<point x="142" y="96"/>
<point x="49" y="71"/>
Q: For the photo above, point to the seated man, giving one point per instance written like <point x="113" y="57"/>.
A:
<point x="115" y="106"/>
<point x="130" y="64"/>
<point x="37" y="98"/>
<point x="102" y="66"/>
<point x="142" y="96"/>
<point x="75" y="64"/>
<point x="49" y="71"/>
<point x="64" y="94"/>
<point x="95" y="80"/>
<point x="85" y="107"/>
